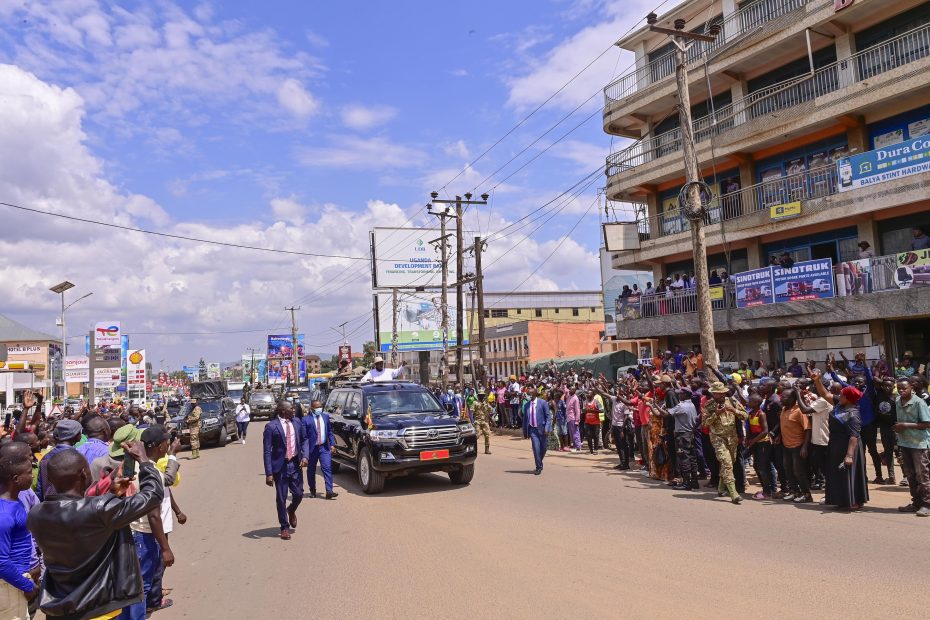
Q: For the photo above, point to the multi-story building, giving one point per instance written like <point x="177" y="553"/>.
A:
<point x="788" y="89"/>
<point x="31" y="356"/>
<point x="562" y="306"/>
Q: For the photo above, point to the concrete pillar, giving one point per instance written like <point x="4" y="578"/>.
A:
<point x="738" y="91"/>
<point x="652" y="212"/>
<point x="857" y="135"/>
<point x="845" y="48"/>
<point x="642" y="59"/>
<point x="731" y="27"/>
<point x="868" y="231"/>
<point x="657" y="273"/>
<point x="754" y="254"/>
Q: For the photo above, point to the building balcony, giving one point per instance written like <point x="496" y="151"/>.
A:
<point x="863" y="81"/>
<point x="874" y="294"/>
<point x="754" y="23"/>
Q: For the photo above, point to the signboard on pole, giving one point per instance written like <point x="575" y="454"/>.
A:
<point x="213" y="370"/>
<point x="106" y="378"/>
<point x="191" y="371"/>
<point x="884" y="164"/>
<point x="812" y="279"/>
<point x="124" y="354"/>
<point x="260" y="366"/>
<point x="283" y="346"/>
<point x="345" y="353"/>
<point x="107" y="334"/>
<point x="77" y="369"/>
<point x="404" y="257"/>
<point x="135" y="369"/>
<point x="419" y="322"/>
<point x="753" y="288"/>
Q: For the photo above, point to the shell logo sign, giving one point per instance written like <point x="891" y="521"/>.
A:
<point x="136" y="358"/>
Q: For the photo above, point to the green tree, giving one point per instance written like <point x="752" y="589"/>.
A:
<point x="330" y="364"/>
<point x="370" y="350"/>
<point x="202" y="370"/>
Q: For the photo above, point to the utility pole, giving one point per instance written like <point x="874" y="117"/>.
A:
<point x="253" y="374"/>
<point x="460" y="268"/>
<point x="295" y="369"/>
<point x="479" y="247"/>
<point x="442" y="245"/>
<point x="690" y="199"/>
<point x="394" y="328"/>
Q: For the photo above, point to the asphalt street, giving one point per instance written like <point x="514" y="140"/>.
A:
<point x="581" y="540"/>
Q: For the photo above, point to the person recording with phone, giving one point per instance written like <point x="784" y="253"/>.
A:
<point x="71" y="529"/>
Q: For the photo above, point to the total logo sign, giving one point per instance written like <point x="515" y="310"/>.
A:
<point x="107" y="334"/>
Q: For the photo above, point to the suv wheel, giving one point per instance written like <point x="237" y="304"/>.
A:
<point x="221" y="442"/>
<point x="372" y="481"/>
<point x="462" y="475"/>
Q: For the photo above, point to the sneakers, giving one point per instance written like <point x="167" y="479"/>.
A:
<point x="907" y="508"/>
<point x="878" y="480"/>
<point x="923" y="512"/>
<point x="574" y="450"/>
<point x="788" y="497"/>
<point x="803" y="499"/>
<point x="903" y="483"/>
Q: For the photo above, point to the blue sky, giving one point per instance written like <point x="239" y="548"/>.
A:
<point x="283" y="124"/>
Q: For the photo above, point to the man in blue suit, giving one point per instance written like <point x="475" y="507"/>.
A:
<point x="285" y="450"/>
<point x="537" y="424"/>
<point x="320" y="441"/>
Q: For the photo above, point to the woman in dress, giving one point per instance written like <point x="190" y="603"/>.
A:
<point x="846" y="482"/>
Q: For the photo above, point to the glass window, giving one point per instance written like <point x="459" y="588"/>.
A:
<point x="574" y="311"/>
<point x="538" y="313"/>
<point x="498" y="314"/>
<point x="354" y="403"/>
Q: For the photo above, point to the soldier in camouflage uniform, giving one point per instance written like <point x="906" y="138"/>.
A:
<point x="482" y="412"/>
<point x="193" y="424"/>
<point x="720" y="415"/>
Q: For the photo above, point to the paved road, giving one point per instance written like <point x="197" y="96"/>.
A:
<point x="582" y="539"/>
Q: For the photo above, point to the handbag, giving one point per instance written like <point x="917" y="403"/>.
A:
<point x="659" y="455"/>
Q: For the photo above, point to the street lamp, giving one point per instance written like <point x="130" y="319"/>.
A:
<point x="60" y="289"/>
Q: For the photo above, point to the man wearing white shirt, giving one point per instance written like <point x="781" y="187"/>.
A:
<point x="380" y="373"/>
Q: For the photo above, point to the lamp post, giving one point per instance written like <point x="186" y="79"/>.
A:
<point x="60" y="289"/>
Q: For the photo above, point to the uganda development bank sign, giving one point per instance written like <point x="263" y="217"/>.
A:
<point x="405" y="257"/>
<point x="885" y="164"/>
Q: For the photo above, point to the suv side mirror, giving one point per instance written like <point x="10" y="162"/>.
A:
<point x="351" y="414"/>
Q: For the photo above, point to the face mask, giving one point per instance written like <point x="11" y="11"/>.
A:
<point x="318" y="411"/>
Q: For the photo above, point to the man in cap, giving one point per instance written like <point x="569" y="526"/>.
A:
<point x="193" y="425"/>
<point x="109" y="462"/>
<point x="721" y="415"/>
<point x="66" y="434"/>
<point x="380" y="373"/>
<point x="482" y="412"/>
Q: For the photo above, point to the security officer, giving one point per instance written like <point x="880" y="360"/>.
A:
<point x="482" y="412"/>
<point x="193" y="424"/>
<point x="721" y="414"/>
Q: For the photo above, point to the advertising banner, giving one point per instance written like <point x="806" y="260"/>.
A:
<point x="812" y="279"/>
<point x="283" y="346"/>
<point x="77" y="369"/>
<point x="785" y="211"/>
<point x="106" y="378"/>
<point x="345" y="353"/>
<point x="753" y="288"/>
<point x="191" y="371"/>
<point x="913" y="269"/>
<point x="23" y="349"/>
<point x="419" y="322"/>
<point x="884" y="164"/>
<point x="404" y="257"/>
<point x="260" y="366"/>
<point x="124" y="353"/>
<point x="854" y="277"/>
<point x="135" y="369"/>
<point x="107" y="334"/>
<point x="280" y="371"/>
<point x="213" y="370"/>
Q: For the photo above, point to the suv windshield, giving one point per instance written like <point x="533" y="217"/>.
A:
<point x="403" y="401"/>
<point x="262" y="398"/>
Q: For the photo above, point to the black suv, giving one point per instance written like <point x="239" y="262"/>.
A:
<point x="395" y="428"/>
<point x="217" y="421"/>
<point x="262" y="404"/>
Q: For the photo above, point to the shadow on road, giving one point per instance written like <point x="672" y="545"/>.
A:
<point x="267" y="532"/>
<point x="519" y="471"/>
<point x="398" y="487"/>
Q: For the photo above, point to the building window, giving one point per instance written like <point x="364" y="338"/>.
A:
<point x="557" y="310"/>
<point x="574" y="311"/>
<point x="498" y="314"/>
<point x="487" y="314"/>
<point x="538" y="313"/>
<point x="593" y="309"/>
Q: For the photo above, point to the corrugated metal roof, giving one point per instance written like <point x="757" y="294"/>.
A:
<point x="11" y="331"/>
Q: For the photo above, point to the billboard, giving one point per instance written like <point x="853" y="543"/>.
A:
<point x="616" y="308"/>
<point x="345" y="353"/>
<point x="123" y="354"/>
<point x="135" y="369"/>
<point x="260" y="366"/>
<point x="192" y="372"/>
<point x="854" y="277"/>
<point x="404" y="257"/>
<point x="283" y="346"/>
<point x="107" y="334"/>
<point x="213" y="370"/>
<point x="884" y="164"/>
<point x="419" y="322"/>
<point x="77" y="369"/>
<point x="913" y="269"/>
<point x="281" y="371"/>
<point x="106" y="378"/>
<point x="811" y="279"/>
<point x="753" y="288"/>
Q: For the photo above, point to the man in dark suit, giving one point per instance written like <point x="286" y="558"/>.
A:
<point x="320" y="442"/>
<point x="285" y="450"/>
<point x="537" y="424"/>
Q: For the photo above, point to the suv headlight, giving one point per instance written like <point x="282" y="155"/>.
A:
<point x="466" y="429"/>
<point x="377" y="435"/>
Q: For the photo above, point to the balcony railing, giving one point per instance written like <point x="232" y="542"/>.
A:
<point x="806" y="185"/>
<point x="851" y="278"/>
<point x="881" y="58"/>
<point x="738" y="24"/>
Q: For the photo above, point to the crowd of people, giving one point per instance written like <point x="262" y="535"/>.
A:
<point x="87" y="511"/>
<point x="801" y="428"/>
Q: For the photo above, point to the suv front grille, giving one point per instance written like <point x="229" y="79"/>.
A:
<point x="428" y="437"/>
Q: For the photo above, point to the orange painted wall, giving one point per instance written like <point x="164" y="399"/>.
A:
<point x="549" y="339"/>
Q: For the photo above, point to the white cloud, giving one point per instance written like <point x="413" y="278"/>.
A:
<point x="353" y="152"/>
<point x="361" y="117"/>
<point x="294" y="98"/>
<point x="586" y="155"/>
<point x="457" y="149"/>
<point x="288" y="209"/>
